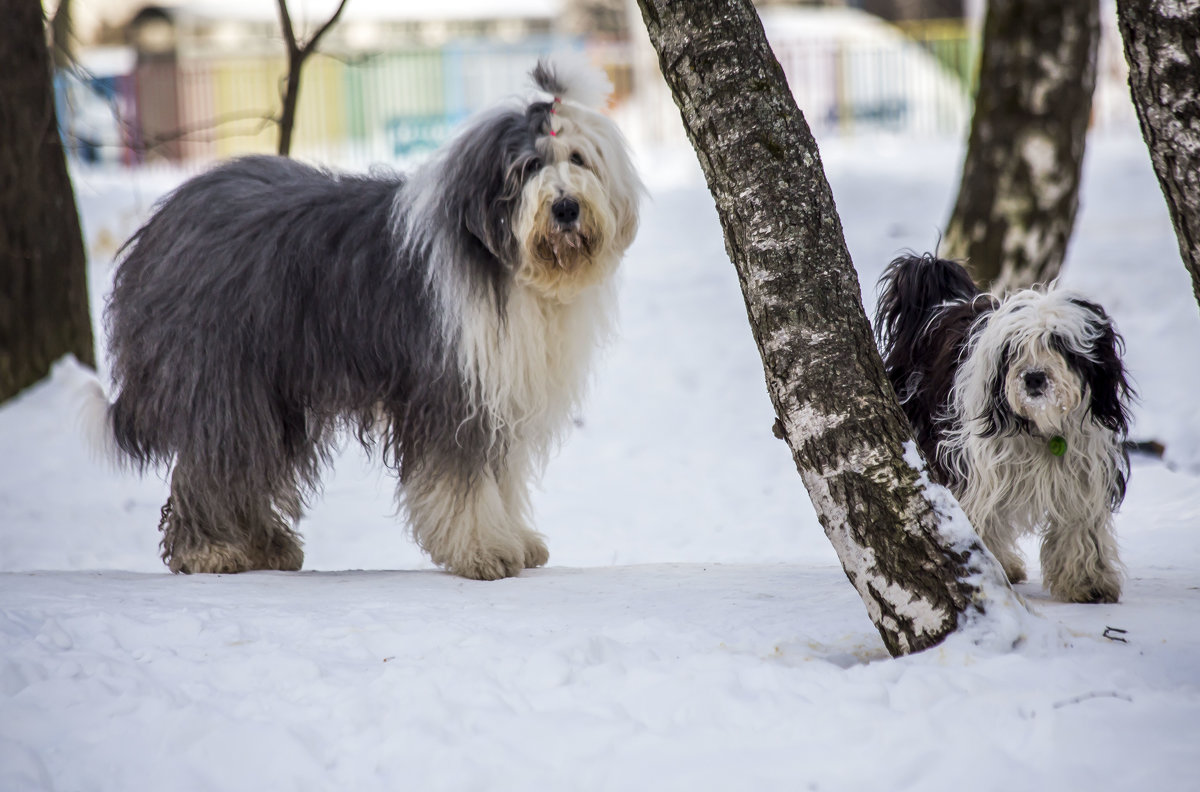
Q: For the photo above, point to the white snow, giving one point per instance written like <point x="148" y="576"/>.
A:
<point x="1001" y="621"/>
<point x="694" y="630"/>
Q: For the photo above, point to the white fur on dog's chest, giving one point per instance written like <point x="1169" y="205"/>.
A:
<point x="529" y="368"/>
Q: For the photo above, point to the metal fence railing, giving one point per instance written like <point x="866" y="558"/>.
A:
<point x="863" y="76"/>
<point x="369" y="107"/>
<point x="850" y="73"/>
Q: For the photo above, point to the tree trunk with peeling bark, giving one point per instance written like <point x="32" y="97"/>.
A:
<point x="43" y="277"/>
<point x="903" y="543"/>
<point x="1162" y="45"/>
<point x="1020" y="180"/>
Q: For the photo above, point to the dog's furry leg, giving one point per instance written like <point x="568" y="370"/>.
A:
<point x="1001" y="538"/>
<point x="1079" y="561"/>
<point x="210" y="528"/>
<point x="474" y="527"/>
<point x="514" y="486"/>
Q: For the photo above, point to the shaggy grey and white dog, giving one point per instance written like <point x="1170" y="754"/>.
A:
<point x="1021" y="406"/>
<point x="448" y="317"/>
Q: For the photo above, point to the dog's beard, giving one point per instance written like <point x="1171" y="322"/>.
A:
<point x="561" y="261"/>
<point x="566" y="250"/>
<point x="1046" y="408"/>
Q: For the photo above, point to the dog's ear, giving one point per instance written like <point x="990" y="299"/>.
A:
<point x="487" y="166"/>
<point x="999" y="418"/>
<point x="1103" y="371"/>
<point x="487" y="226"/>
<point x="485" y="212"/>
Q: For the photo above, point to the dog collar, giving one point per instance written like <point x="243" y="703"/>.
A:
<point x="1057" y="445"/>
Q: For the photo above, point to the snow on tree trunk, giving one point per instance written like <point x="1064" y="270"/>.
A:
<point x="43" y="278"/>
<point x="1162" y="45"/>
<point x="1020" y="179"/>
<point x="903" y="542"/>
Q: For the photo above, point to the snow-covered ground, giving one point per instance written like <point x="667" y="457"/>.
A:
<point x="693" y="629"/>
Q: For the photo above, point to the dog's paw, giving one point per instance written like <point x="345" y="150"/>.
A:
<point x="488" y="566"/>
<point x="1102" y="595"/>
<point x="1015" y="570"/>
<point x="281" y="552"/>
<point x="1095" y="592"/>
<point x="536" y="554"/>
<point x="1105" y="587"/>
<point x="218" y="558"/>
<point x="499" y="558"/>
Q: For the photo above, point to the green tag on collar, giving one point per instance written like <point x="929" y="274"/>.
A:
<point x="1058" y="445"/>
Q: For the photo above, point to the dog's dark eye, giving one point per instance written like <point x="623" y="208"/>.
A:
<point x="576" y="158"/>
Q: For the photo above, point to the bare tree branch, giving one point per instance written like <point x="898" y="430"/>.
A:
<point x="285" y="22"/>
<point x="297" y="53"/>
<point x="316" y="37"/>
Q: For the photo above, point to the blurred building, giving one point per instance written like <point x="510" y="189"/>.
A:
<point x="908" y="10"/>
<point x="850" y="71"/>
<point x="391" y="79"/>
<point x="197" y="80"/>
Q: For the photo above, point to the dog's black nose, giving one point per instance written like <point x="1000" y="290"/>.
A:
<point x="565" y="211"/>
<point x="1035" y="382"/>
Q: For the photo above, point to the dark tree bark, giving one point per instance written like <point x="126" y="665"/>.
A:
<point x="43" y="277"/>
<point x="1020" y="179"/>
<point x="904" y="545"/>
<point x="297" y="54"/>
<point x="60" y="34"/>
<point x="1162" y="45"/>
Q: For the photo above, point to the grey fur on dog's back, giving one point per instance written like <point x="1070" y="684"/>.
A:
<point x="264" y="298"/>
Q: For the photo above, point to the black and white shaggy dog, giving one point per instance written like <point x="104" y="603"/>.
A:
<point x="447" y="317"/>
<point x="1021" y="407"/>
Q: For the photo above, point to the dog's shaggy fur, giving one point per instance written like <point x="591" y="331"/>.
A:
<point x="993" y="388"/>
<point x="448" y="317"/>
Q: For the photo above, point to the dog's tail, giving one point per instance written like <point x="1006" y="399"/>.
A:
<point x="911" y="289"/>
<point x="94" y="417"/>
<point x="571" y="77"/>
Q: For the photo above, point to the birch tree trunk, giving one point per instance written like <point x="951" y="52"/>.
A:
<point x="43" y="277"/>
<point x="903" y="542"/>
<point x="1020" y="179"/>
<point x="1162" y="45"/>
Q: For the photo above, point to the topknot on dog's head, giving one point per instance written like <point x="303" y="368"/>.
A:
<point x="571" y="78"/>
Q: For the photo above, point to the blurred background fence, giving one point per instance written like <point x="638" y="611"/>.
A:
<point x="373" y="106"/>
<point x="852" y="73"/>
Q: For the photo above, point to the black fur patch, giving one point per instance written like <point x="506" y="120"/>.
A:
<point x="1104" y="372"/>
<point x="925" y="312"/>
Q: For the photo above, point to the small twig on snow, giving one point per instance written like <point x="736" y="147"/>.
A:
<point x="1093" y="695"/>
<point x="1115" y="634"/>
